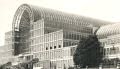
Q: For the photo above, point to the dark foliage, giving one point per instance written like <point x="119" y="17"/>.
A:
<point x="24" y="65"/>
<point x="111" y="62"/>
<point x="71" y="68"/>
<point x="88" y="52"/>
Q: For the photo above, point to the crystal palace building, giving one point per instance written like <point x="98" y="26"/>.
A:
<point x="49" y="35"/>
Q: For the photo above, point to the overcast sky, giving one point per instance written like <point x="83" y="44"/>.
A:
<point x="108" y="10"/>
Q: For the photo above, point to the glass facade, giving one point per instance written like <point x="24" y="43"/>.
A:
<point x="7" y="50"/>
<point x="109" y="36"/>
<point x="50" y="35"/>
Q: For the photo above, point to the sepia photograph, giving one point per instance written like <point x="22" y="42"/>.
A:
<point x="60" y="34"/>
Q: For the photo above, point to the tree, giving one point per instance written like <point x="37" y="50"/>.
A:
<point x="6" y="65"/>
<point x="26" y="65"/>
<point x="71" y="68"/>
<point x="88" y="52"/>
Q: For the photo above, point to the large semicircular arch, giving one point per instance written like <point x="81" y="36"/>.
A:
<point x="18" y="15"/>
<point x="24" y="12"/>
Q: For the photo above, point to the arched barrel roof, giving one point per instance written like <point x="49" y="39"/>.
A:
<point x="37" y="13"/>
<point x="108" y="30"/>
